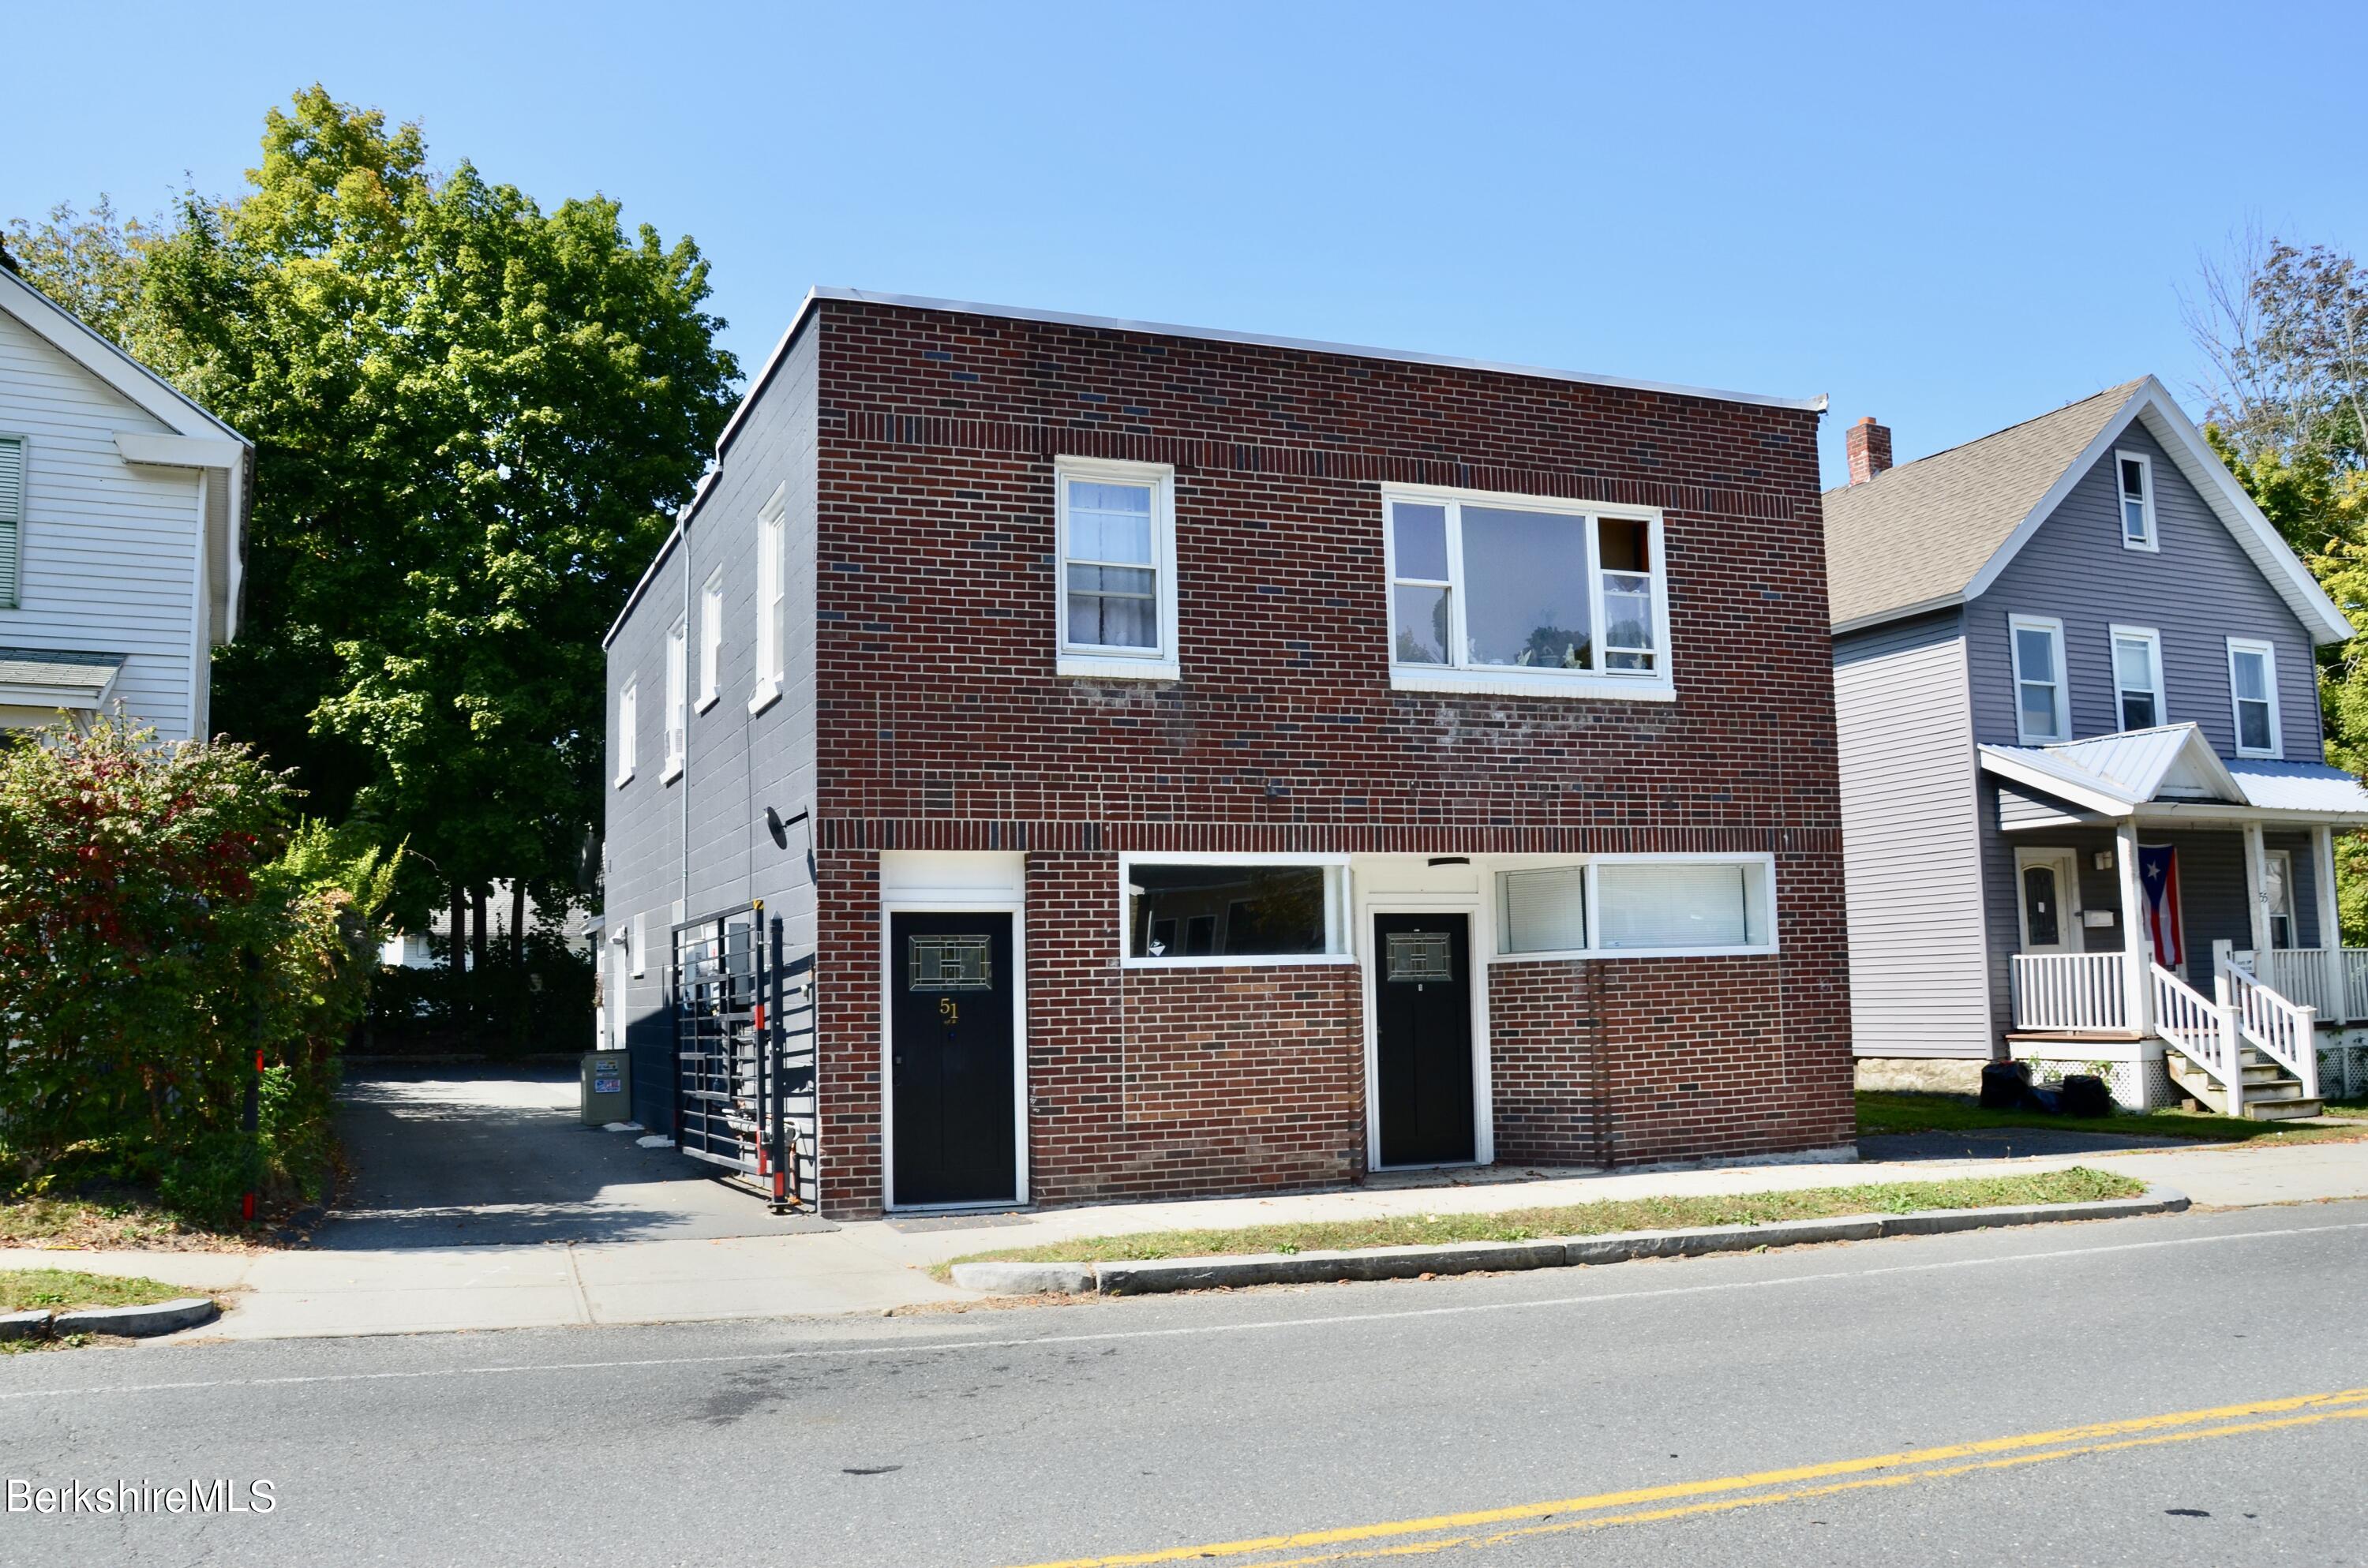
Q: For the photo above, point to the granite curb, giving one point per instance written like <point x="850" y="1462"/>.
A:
<point x="1152" y="1276"/>
<point x="132" y="1323"/>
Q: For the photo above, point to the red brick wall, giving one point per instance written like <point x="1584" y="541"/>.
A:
<point x="940" y="724"/>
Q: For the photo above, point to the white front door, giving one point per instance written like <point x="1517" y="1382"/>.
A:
<point x="2047" y="895"/>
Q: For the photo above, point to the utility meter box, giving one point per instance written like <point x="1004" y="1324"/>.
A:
<point x="608" y="1088"/>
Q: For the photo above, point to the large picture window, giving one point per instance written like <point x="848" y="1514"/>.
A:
<point x="1116" y="600"/>
<point x="1631" y="906"/>
<point x="1513" y="594"/>
<point x="1209" y="911"/>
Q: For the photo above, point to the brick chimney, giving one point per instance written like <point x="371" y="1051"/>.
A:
<point x="1869" y="450"/>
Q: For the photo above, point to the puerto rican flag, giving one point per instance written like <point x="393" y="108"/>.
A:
<point x="2158" y="874"/>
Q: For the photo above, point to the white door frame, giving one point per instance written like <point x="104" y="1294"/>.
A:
<point x="1479" y="907"/>
<point x="2066" y="866"/>
<point x="933" y="902"/>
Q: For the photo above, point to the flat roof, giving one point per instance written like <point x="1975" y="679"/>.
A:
<point x="1351" y="351"/>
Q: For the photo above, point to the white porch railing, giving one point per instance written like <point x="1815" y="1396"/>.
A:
<point x="2201" y="1029"/>
<point x="2070" y="990"/>
<point x="2333" y="983"/>
<point x="2284" y="1033"/>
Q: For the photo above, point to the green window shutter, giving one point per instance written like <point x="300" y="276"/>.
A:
<point x="12" y="514"/>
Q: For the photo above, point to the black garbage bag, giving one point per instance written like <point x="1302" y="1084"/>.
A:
<point x="2005" y="1085"/>
<point x="2085" y="1095"/>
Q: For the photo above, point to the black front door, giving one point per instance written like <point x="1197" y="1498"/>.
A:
<point x="950" y="1040"/>
<point x="1422" y="1023"/>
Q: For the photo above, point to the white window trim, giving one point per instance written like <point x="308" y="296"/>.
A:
<point x="1501" y="680"/>
<point x="2053" y="628"/>
<point x="772" y="591"/>
<point x="1090" y="660"/>
<point x="1766" y="913"/>
<point x="629" y="723"/>
<point x="2114" y="637"/>
<point x="678" y="741"/>
<point x="1337" y="905"/>
<point x="710" y="640"/>
<point x="2269" y="653"/>
<point x="2286" y="888"/>
<point x="640" y="946"/>
<point x="2153" y="541"/>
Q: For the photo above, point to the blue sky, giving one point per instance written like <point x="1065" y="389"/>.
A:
<point x="1953" y="218"/>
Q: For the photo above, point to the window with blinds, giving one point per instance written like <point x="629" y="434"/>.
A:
<point x="1678" y="904"/>
<point x="1546" y="912"/>
<point x="12" y="515"/>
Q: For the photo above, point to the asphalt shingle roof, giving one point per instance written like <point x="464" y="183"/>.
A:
<point x="1922" y="530"/>
<point x="54" y="667"/>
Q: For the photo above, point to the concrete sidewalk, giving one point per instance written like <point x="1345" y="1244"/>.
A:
<point x="871" y="1266"/>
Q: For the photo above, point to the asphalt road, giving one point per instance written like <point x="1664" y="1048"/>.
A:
<point x="1741" y="1410"/>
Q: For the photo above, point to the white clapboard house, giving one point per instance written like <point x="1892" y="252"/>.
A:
<point x="122" y="528"/>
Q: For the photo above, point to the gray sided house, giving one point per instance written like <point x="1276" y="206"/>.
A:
<point x="2087" y="817"/>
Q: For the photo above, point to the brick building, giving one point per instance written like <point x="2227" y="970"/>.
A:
<point x="1188" y="762"/>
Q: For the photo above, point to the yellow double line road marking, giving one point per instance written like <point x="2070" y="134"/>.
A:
<point x="1692" y="1497"/>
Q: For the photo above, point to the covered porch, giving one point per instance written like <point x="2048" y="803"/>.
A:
<point x="2173" y="919"/>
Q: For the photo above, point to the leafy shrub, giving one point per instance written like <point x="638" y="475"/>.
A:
<point x="167" y="927"/>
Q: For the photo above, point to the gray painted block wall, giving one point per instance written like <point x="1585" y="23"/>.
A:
<point x="695" y="846"/>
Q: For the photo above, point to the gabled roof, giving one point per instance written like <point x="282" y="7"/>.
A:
<point x="1936" y="532"/>
<point x="198" y="439"/>
<point x="2173" y="765"/>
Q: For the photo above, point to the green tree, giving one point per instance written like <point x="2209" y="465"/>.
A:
<point x="2285" y="329"/>
<point x="472" y="419"/>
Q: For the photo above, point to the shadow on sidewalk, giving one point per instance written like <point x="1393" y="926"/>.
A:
<point x="492" y="1154"/>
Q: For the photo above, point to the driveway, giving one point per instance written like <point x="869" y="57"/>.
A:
<point x="492" y="1154"/>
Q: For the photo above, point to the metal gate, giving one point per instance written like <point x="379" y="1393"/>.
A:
<point x="743" y="1052"/>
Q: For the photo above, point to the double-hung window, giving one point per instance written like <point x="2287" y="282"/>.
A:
<point x="1191" y="910"/>
<point x="1115" y="603"/>
<point x="2133" y="487"/>
<point x="772" y="528"/>
<point x="629" y="718"/>
<point x="1525" y="594"/>
<point x="678" y="698"/>
<point x="2043" y="709"/>
<point x="2137" y="677"/>
<point x="2253" y="688"/>
<point x="12" y="515"/>
<point x="710" y="640"/>
<point x="1637" y="905"/>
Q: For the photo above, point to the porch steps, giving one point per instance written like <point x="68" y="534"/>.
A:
<point x="2271" y="1093"/>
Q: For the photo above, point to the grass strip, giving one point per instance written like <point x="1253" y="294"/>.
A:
<point x="1882" y="1111"/>
<point x="2078" y="1185"/>
<point x="61" y="1290"/>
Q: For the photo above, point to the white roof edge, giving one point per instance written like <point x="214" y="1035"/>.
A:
<point x="2212" y="480"/>
<point x="1816" y="404"/>
<point x="78" y="341"/>
<point x="2097" y="797"/>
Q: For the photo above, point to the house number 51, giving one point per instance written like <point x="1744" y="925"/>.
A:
<point x="950" y="1014"/>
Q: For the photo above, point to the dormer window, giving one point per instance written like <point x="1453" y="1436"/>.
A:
<point x="2134" y="479"/>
